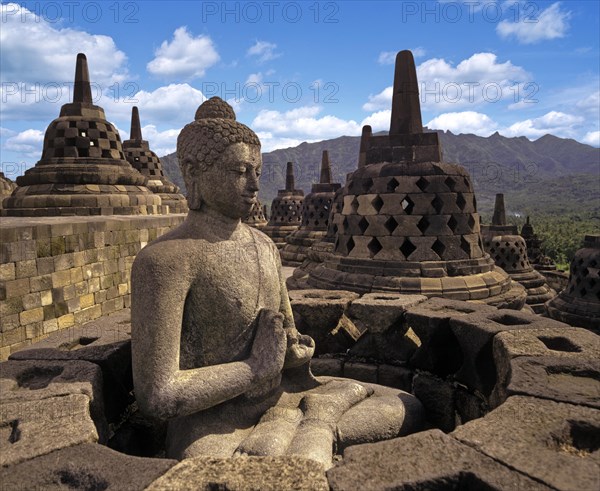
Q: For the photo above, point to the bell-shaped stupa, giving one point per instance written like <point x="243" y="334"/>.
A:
<point x="579" y="303"/>
<point x="138" y="154"/>
<point x="257" y="217"/>
<point x="316" y="210"/>
<point x="409" y="222"/>
<point x="286" y="210"/>
<point x="83" y="170"/>
<point x="509" y="251"/>
<point x="537" y="258"/>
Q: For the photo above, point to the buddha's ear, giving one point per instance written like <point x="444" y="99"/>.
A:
<point x="188" y="169"/>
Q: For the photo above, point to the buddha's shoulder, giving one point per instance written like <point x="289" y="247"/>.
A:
<point x="261" y="237"/>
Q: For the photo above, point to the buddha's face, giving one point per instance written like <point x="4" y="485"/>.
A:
<point x="230" y="186"/>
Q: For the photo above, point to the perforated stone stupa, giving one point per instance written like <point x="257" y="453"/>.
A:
<point x="258" y="216"/>
<point x="83" y="170"/>
<point x="138" y="154"/>
<point x="509" y="251"/>
<point x="315" y="217"/>
<point x="579" y="303"/>
<point x="409" y="222"/>
<point x="537" y="258"/>
<point x="286" y="210"/>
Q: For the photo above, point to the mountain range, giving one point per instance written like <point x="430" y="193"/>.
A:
<point x="550" y="175"/>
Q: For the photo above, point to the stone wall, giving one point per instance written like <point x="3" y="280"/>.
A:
<point x="59" y="272"/>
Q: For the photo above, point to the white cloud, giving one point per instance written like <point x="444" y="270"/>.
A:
<point x="592" y="138"/>
<point x="38" y="64"/>
<point x="264" y="51"/>
<point x="590" y="103"/>
<point x="379" y="121"/>
<point x="382" y="100"/>
<point x="474" y="81"/>
<point x="269" y="142"/>
<point x="555" y="123"/>
<point x="464" y="122"/>
<point x="551" y="23"/>
<point x="184" y="56"/>
<point x="173" y="103"/>
<point x="303" y="123"/>
<point x="34" y="51"/>
<point x="161" y="142"/>
<point x="29" y="143"/>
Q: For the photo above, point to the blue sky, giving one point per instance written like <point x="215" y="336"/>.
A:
<point x="302" y="71"/>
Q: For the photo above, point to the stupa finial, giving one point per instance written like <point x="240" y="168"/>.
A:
<point x="499" y="218"/>
<point x="289" y="177"/>
<point x="406" y="109"/>
<point x="135" y="133"/>
<point x="325" y="168"/>
<point x="82" y="91"/>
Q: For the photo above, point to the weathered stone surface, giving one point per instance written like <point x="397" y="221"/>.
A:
<point x="38" y="427"/>
<point x="429" y="460"/>
<point x="244" y="474"/>
<point x="105" y="342"/>
<point x="378" y="312"/>
<point x="331" y="367"/>
<point x="317" y="312"/>
<point x="440" y="351"/>
<point x="398" y="414"/>
<point x="572" y="380"/>
<point x="554" y="443"/>
<point x="572" y="345"/>
<point x="35" y="380"/>
<point x="86" y="466"/>
<point x="475" y="335"/>
<point x="438" y="399"/>
<point x="394" y="376"/>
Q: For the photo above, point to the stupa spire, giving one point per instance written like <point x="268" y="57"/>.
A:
<point x="135" y="133"/>
<point x="82" y="91"/>
<point x="289" y="177"/>
<point x="499" y="218"/>
<point x="325" y="168"/>
<point x="406" y="109"/>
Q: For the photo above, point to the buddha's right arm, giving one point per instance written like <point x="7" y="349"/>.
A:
<point x="162" y="389"/>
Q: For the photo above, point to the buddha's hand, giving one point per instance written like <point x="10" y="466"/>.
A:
<point x="300" y="349"/>
<point x="268" y="350"/>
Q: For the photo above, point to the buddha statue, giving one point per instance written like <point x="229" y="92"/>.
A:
<point x="214" y="345"/>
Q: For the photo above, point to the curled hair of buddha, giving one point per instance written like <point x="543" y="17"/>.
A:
<point x="214" y="129"/>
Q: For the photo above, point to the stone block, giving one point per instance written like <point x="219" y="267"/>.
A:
<point x="317" y="312"/>
<point x="378" y="312"/>
<point x="17" y="288"/>
<point x="244" y="474"/>
<point x="105" y="342"/>
<point x="38" y="427"/>
<point x="33" y="315"/>
<point x="7" y="272"/>
<point x="567" y="343"/>
<point x="438" y="399"/>
<point x="331" y="367"/>
<point x="29" y="380"/>
<point x="552" y="442"/>
<point x="439" y="352"/>
<point x="428" y="460"/>
<point x="26" y="269"/>
<point x="365" y="372"/>
<point x="88" y="466"/>
<point x="394" y="376"/>
<point x="475" y="334"/>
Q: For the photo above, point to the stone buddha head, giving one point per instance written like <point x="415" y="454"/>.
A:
<point x="220" y="161"/>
